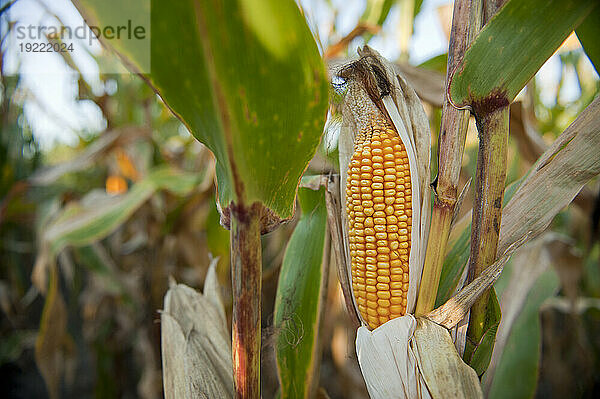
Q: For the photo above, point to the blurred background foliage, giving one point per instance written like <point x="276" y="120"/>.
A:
<point x="110" y="217"/>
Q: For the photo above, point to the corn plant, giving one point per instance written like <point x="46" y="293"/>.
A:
<point x="257" y="186"/>
<point x="247" y="80"/>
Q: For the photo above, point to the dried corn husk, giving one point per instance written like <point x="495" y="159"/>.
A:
<point x="196" y="346"/>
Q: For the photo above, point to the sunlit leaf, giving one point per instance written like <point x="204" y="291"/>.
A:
<point x="300" y="298"/>
<point x="437" y="63"/>
<point x="377" y="11"/>
<point x="247" y="80"/>
<point x="511" y="48"/>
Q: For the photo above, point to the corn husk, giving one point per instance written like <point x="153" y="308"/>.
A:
<point x="406" y="357"/>
<point x="388" y="362"/>
<point x="373" y="86"/>
<point x="196" y="346"/>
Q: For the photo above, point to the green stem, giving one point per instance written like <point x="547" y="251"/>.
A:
<point x="487" y="211"/>
<point x="246" y="270"/>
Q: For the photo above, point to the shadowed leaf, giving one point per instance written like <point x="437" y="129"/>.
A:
<point x="511" y="48"/>
<point x="299" y="298"/>
<point x="52" y="337"/>
<point x="588" y="33"/>
<point x="479" y="356"/>
<point x="528" y="271"/>
<point x="517" y="371"/>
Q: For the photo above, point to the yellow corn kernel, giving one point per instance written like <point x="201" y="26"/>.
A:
<point x="385" y="199"/>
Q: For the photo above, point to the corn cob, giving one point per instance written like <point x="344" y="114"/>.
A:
<point x="379" y="211"/>
<point x="384" y="151"/>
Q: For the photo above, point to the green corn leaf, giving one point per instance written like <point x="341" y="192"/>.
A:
<point x="454" y="263"/>
<point x="510" y="49"/>
<point x="437" y="63"/>
<point x="300" y="296"/>
<point x="588" y="33"/>
<point x="517" y="371"/>
<point x="100" y="214"/>
<point x="247" y="79"/>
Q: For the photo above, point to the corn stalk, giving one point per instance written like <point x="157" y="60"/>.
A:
<point x="492" y="116"/>
<point x="246" y="278"/>
<point x="453" y="131"/>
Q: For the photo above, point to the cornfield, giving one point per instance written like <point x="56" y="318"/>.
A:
<point x="277" y="200"/>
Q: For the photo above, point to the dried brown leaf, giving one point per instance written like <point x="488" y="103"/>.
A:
<point x="196" y="346"/>
<point x="555" y="180"/>
<point x="445" y="373"/>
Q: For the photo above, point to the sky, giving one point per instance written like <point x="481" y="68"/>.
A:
<point x="56" y="116"/>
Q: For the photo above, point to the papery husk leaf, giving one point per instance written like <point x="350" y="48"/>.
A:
<point x="413" y="358"/>
<point x="196" y="346"/>
<point x="387" y="361"/>
<point x="173" y="352"/>
<point x="444" y="372"/>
